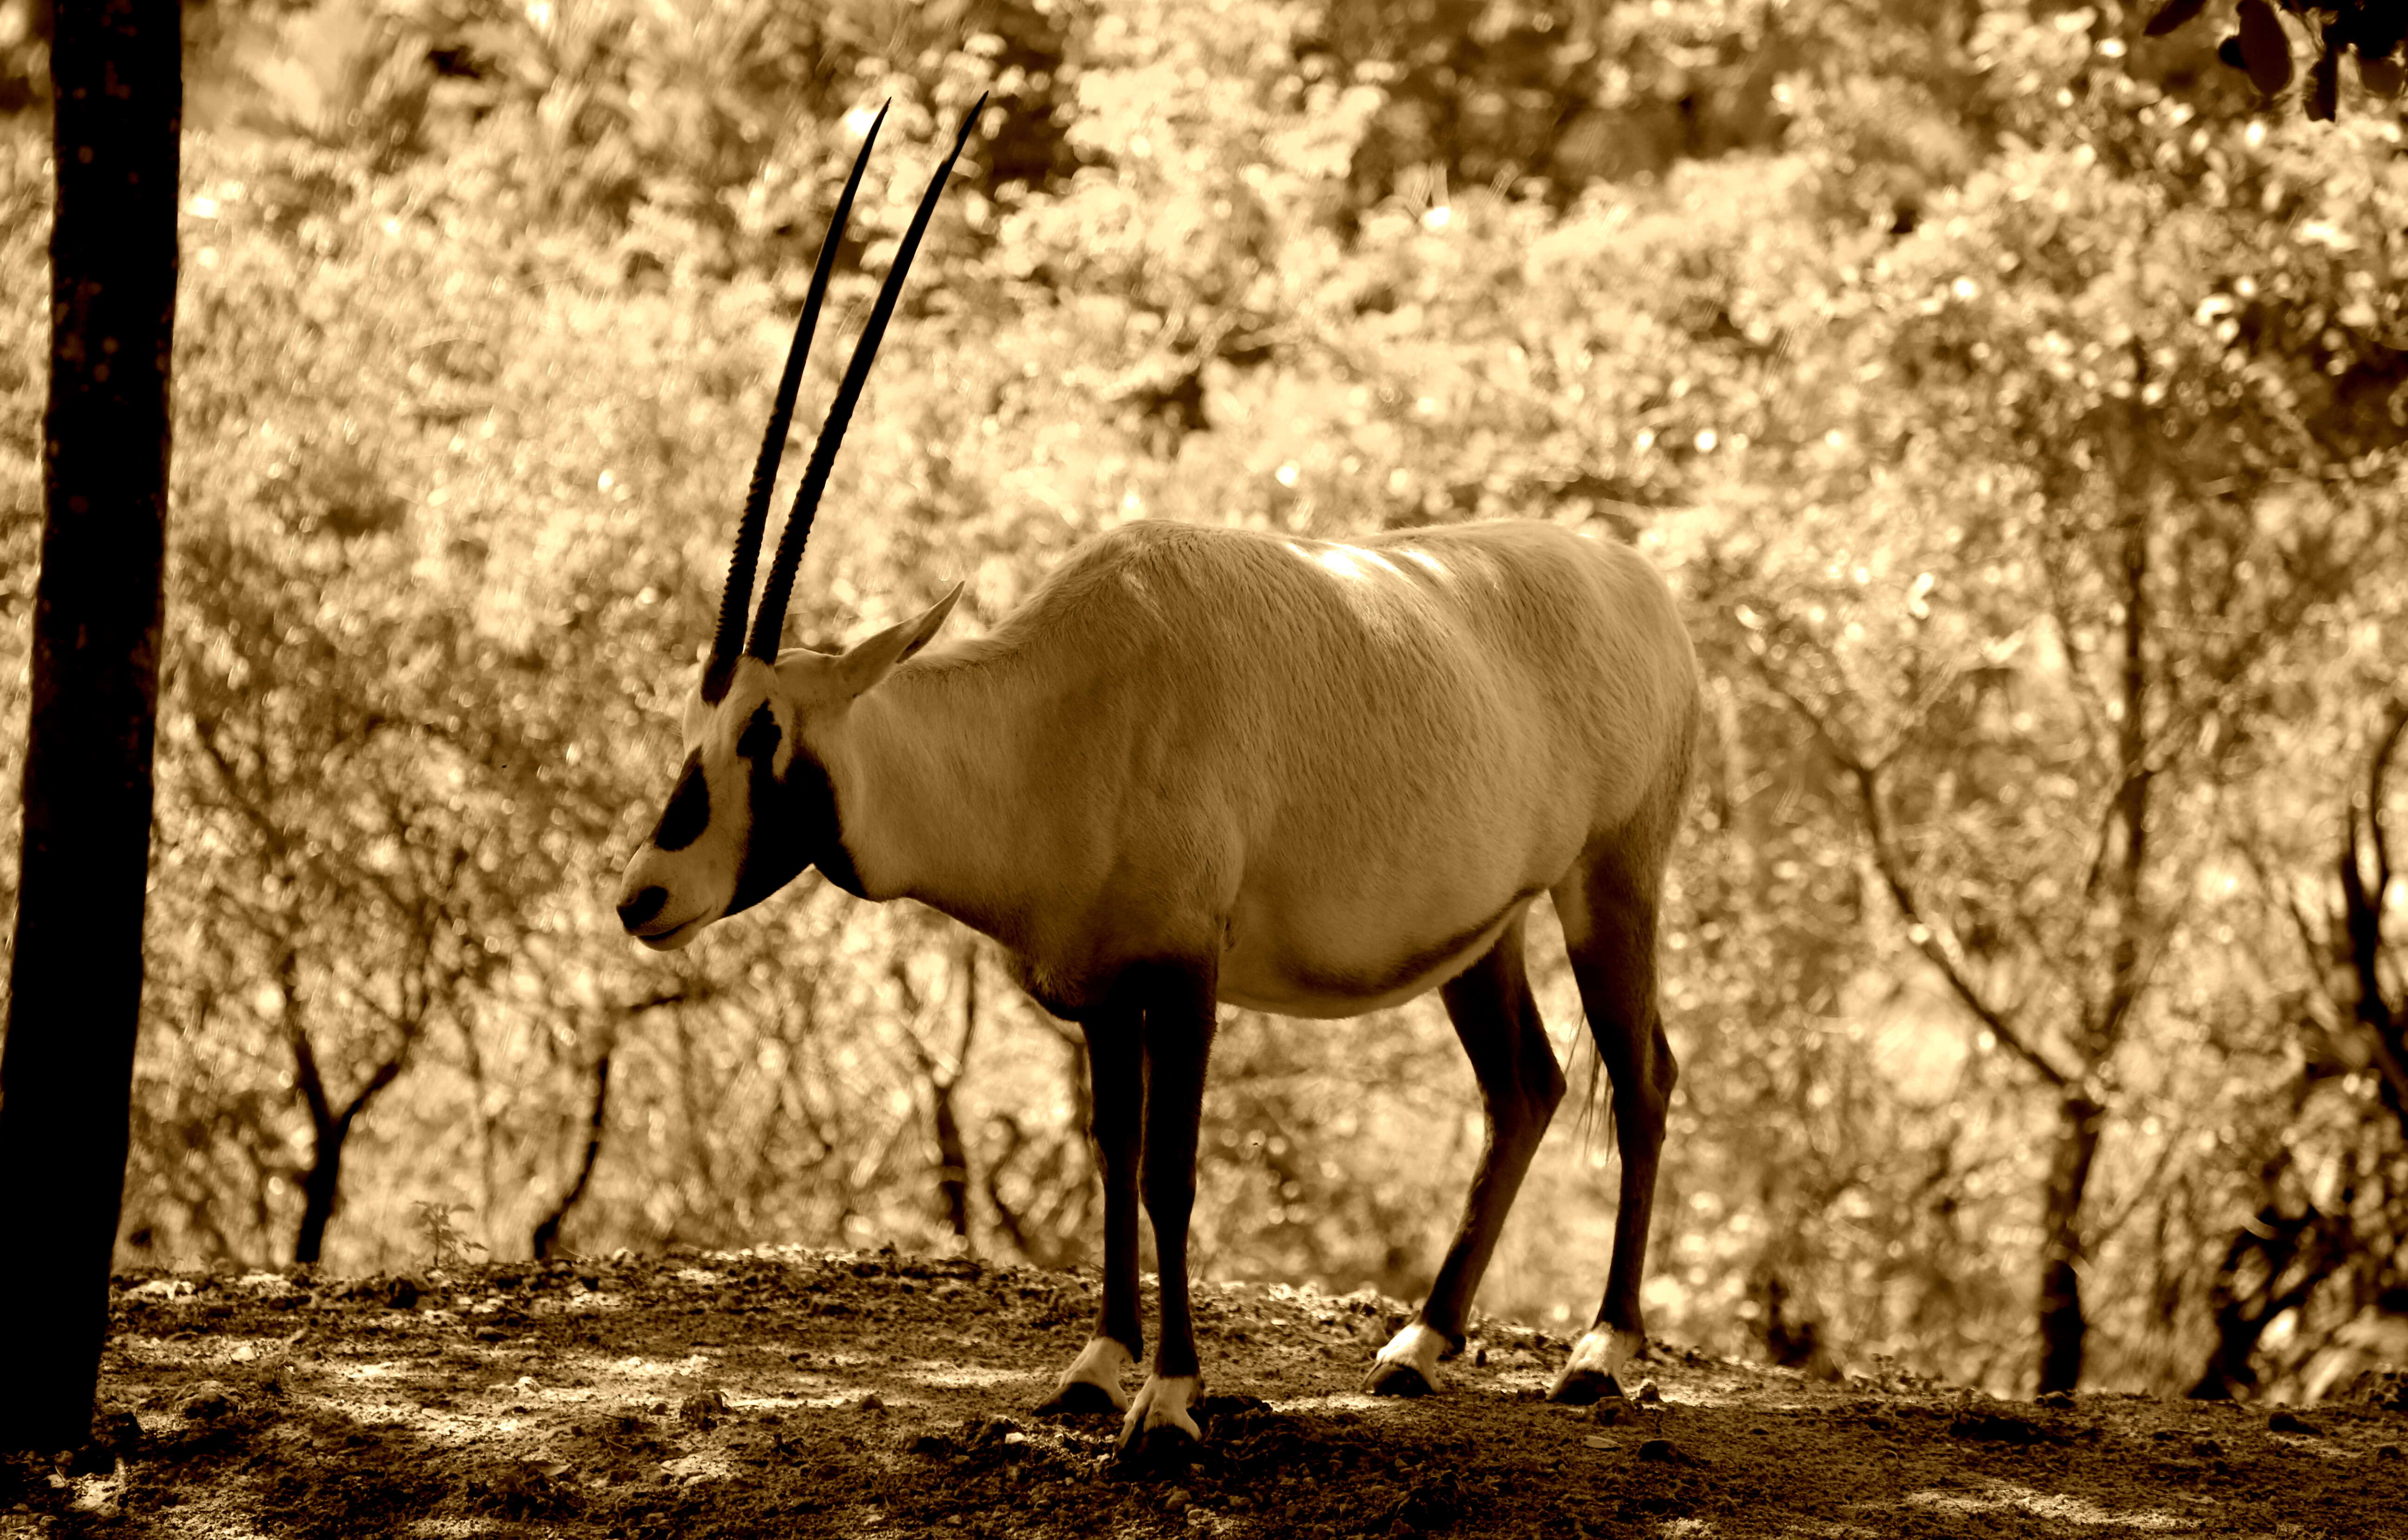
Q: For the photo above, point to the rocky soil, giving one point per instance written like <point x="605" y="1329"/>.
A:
<point x="876" y="1395"/>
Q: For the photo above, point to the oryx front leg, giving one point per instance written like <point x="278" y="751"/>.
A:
<point x="1609" y="914"/>
<point x="1115" y="1084"/>
<point x="1178" y="1022"/>
<point x="1498" y="1024"/>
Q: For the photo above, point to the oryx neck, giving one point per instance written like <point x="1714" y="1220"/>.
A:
<point x="932" y="795"/>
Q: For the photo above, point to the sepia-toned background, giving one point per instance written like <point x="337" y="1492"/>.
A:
<point x="2016" y="403"/>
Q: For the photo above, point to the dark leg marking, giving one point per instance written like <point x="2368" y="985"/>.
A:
<point x="1179" y="1024"/>
<point x="1609" y="914"/>
<point x="1116" y="1082"/>
<point x="1520" y="1084"/>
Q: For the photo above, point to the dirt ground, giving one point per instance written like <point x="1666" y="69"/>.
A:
<point x="872" y="1394"/>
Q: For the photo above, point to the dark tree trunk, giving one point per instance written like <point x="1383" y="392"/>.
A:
<point x="2365" y="870"/>
<point x="2273" y="1265"/>
<point x="2063" y="1327"/>
<point x="546" y="1234"/>
<point x="321" y="1185"/>
<point x="76" y="977"/>
<point x="953" y="1151"/>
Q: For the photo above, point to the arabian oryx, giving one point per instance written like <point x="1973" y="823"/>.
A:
<point x="1206" y="764"/>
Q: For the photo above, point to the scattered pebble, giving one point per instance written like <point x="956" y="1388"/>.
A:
<point x="2286" y="1423"/>
<point x="119" y="1431"/>
<point x="206" y="1404"/>
<point x="1996" y="1428"/>
<point x="873" y="1403"/>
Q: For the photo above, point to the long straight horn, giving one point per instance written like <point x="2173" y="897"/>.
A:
<point x="729" y="638"/>
<point x="772" y="622"/>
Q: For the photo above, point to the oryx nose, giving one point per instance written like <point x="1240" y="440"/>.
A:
<point x="643" y="906"/>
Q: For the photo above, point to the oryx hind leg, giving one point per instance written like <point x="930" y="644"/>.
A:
<point x="1608" y="907"/>
<point x="1520" y="1084"/>
<point x="1116" y="1086"/>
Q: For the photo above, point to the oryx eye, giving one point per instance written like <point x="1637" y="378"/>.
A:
<point x="760" y="739"/>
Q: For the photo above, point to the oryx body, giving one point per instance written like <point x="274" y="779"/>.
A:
<point x="1203" y="765"/>
<point x="1337" y="771"/>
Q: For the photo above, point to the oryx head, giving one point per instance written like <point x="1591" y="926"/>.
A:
<point x="753" y="805"/>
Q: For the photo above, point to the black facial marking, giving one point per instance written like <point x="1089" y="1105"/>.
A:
<point x="793" y="821"/>
<point x="812" y="798"/>
<point x="759" y="742"/>
<point x="689" y="811"/>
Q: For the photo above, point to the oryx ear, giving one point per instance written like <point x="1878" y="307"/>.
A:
<point x="863" y="665"/>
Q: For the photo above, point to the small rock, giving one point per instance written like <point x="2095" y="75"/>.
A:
<point x="2056" y="1401"/>
<point x="92" y="1458"/>
<point x="1649" y="1395"/>
<point x="1658" y="1449"/>
<point x="2387" y="1451"/>
<point x="2285" y="1422"/>
<point x="873" y="1403"/>
<point x="206" y="1404"/>
<point x="120" y="1432"/>
<point x="1996" y="1428"/>
<point x="2206" y="1448"/>
<point x="1176" y="1500"/>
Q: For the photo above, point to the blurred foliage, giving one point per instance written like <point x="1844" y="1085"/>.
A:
<point x="2015" y="398"/>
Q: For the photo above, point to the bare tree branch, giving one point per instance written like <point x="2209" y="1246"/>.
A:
<point x="1936" y="946"/>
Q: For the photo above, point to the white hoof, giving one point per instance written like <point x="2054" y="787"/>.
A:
<point x="1092" y="1381"/>
<point x="1408" y="1366"/>
<point x="1158" y="1420"/>
<point x="1600" y="1354"/>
